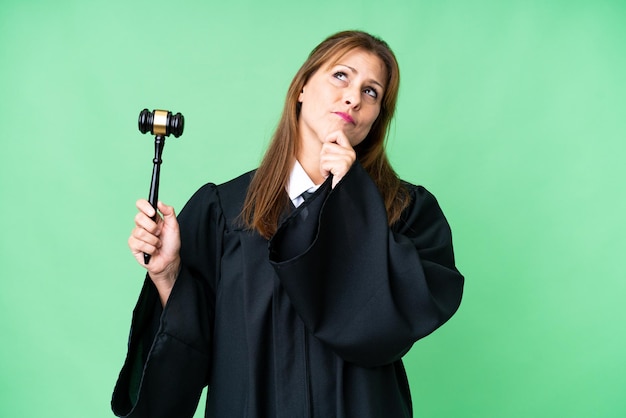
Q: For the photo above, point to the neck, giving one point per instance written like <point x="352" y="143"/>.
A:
<point x="309" y="158"/>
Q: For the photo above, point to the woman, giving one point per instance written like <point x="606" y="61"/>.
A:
<point x="286" y="307"/>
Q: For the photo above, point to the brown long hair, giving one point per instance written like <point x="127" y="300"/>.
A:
<point x="266" y="199"/>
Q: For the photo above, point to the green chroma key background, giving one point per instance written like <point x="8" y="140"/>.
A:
<point x="513" y="113"/>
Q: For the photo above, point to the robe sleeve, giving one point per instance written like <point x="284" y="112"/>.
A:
<point x="168" y="358"/>
<point x="367" y="290"/>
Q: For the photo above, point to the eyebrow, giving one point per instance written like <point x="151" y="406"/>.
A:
<point x="356" y="72"/>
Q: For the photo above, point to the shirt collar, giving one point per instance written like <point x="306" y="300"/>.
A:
<point x="299" y="181"/>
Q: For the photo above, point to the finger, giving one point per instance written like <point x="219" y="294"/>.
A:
<point x="337" y="164"/>
<point x="144" y="222"/>
<point x="335" y="153"/>
<point x="138" y="246"/>
<point x="144" y="206"/>
<point x="149" y="238"/>
<point x="332" y="148"/>
<point x="337" y="168"/>
<point x="335" y="160"/>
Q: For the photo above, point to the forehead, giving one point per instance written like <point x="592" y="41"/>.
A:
<point x="361" y="60"/>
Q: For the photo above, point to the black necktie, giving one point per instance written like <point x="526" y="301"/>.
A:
<point x="306" y="195"/>
<point x="305" y="211"/>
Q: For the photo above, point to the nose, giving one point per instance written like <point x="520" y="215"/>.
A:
<point x="352" y="98"/>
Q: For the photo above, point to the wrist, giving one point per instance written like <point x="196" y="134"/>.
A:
<point x="164" y="280"/>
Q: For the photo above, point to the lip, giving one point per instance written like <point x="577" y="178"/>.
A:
<point x="345" y="117"/>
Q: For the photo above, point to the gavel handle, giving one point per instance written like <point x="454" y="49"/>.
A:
<point x="159" y="143"/>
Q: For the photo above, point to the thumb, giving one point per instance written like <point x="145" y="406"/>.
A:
<point x="167" y="211"/>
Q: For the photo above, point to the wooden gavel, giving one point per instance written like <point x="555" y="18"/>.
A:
<point x="160" y="123"/>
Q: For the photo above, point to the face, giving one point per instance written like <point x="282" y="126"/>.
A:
<point x="345" y="95"/>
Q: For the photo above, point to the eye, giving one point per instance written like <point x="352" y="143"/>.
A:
<point x="340" y="75"/>
<point x="371" y="92"/>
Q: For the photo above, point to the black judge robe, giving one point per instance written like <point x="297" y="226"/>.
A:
<point x="312" y="324"/>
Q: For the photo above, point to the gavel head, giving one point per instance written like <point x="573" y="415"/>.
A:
<point x="161" y="123"/>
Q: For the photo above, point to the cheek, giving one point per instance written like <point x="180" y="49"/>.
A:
<point x="375" y="113"/>
<point x="360" y="136"/>
<point x="366" y="129"/>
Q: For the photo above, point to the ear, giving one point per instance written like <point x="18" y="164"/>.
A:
<point x="300" y="97"/>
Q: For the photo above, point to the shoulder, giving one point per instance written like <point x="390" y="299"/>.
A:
<point x="235" y="189"/>
<point x="232" y="195"/>
<point x="225" y="199"/>
<point x="418" y="194"/>
<point x="423" y="210"/>
<point x="227" y="193"/>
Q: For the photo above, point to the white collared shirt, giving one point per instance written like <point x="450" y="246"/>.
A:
<point x="299" y="182"/>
